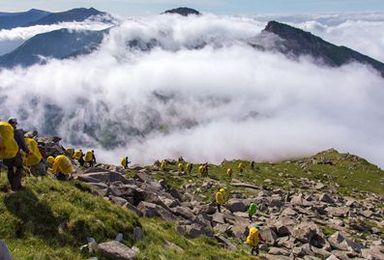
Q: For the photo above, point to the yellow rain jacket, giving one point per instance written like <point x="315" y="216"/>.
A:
<point x="201" y="169"/>
<point x="70" y="152"/>
<point x="124" y="162"/>
<point x="180" y="166"/>
<point x="241" y="167"/>
<point x="34" y="156"/>
<point x="77" y="155"/>
<point x="188" y="167"/>
<point x="62" y="164"/>
<point x="163" y="164"/>
<point x="89" y="156"/>
<point x="8" y="145"/>
<point x="219" y="198"/>
<point x="253" y="237"/>
<point x="229" y="172"/>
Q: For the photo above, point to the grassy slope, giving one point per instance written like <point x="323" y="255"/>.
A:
<point x="347" y="174"/>
<point x="51" y="220"/>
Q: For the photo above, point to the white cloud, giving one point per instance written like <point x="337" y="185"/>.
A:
<point x="222" y="101"/>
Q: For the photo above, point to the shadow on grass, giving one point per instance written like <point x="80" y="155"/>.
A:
<point x="35" y="217"/>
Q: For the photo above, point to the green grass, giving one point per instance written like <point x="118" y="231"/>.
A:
<point x="51" y="220"/>
<point x="348" y="174"/>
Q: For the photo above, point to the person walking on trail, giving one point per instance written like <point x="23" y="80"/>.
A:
<point x="252" y="210"/>
<point x="253" y="240"/>
<point x="229" y="172"/>
<point x="79" y="156"/>
<point x="241" y="167"/>
<point x="180" y="167"/>
<point x="90" y="158"/>
<point x="252" y="165"/>
<point x="220" y="199"/>
<point x="188" y="168"/>
<point x="61" y="167"/>
<point x="15" y="163"/>
<point x="125" y="162"/>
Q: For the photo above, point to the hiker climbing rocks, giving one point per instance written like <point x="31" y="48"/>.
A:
<point x="252" y="210"/>
<point x="61" y="167"/>
<point x="125" y="162"/>
<point x="252" y="165"/>
<point x="229" y="172"/>
<point x="220" y="199"/>
<point x="253" y="240"/>
<point x="241" y="167"/>
<point x="201" y="170"/>
<point x="188" y="168"/>
<point x="79" y="156"/>
<point x="180" y="167"/>
<point x="163" y="165"/>
<point x="12" y="143"/>
<point x="90" y="158"/>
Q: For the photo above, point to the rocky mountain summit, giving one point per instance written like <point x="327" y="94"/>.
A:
<point x="315" y="216"/>
<point x="184" y="11"/>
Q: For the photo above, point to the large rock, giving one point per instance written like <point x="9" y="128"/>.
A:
<point x="327" y="198"/>
<point x="235" y="205"/>
<point x="340" y="242"/>
<point x="218" y="218"/>
<point x="226" y="243"/>
<point x="268" y="235"/>
<point x="373" y="253"/>
<point x="4" y="252"/>
<point x="117" y="250"/>
<point x="183" y="212"/>
<point x="338" y="211"/>
<point x="104" y="177"/>
<point x="284" y="226"/>
<point x="148" y="209"/>
<point x="305" y="232"/>
<point x="194" y="230"/>
<point x="299" y="200"/>
<point x="278" y="251"/>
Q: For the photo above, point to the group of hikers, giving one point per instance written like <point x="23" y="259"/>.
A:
<point x="17" y="151"/>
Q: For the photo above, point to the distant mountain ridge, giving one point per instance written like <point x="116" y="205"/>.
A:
<point x="184" y="11"/>
<point x="12" y="20"/>
<point x="39" y="17"/>
<point x="296" y="42"/>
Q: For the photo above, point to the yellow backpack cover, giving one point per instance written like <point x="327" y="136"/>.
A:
<point x="8" y="145"/>
<point x="89" y="156"/>
<point x="34" y="157"/>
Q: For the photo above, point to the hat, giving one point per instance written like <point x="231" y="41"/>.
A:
<point x="221" y="190"/>
<point x="12" y="120"/>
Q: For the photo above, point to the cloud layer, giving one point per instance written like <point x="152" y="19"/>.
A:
<point x="222" y="100"/>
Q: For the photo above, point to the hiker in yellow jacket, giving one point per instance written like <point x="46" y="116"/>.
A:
<point x="253" y="240"/>
<point x="241" y="167"/>
<point x="188" y="168"/>
<point x="180" y="167"/>
<point x="125" y="162"/>
<point x="229" y="172"/>
<point x="61" y="167"/>
<point x="163" y="165"/>
<point x="78" y="155"/>
<point x="220" y="199"/>
<point x="90" y="158"/>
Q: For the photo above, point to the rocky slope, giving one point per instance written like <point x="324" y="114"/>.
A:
<point x="315" y="216"/>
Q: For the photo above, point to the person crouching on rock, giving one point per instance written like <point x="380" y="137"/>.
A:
<point x="253" y="240"/>
<point x="220" y="199"/>
<point x="61" y="167"/>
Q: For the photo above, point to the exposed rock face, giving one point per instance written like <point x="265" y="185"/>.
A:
<point x="184" y="11"/>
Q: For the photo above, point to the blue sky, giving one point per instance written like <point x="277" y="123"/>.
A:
<point x="139" y="7"/>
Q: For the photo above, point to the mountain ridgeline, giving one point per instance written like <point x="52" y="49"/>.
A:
<point x="62" y="44"/>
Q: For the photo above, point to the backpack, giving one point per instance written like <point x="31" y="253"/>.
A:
<point x="8" y="145"/>
<point x="34" y="157"/>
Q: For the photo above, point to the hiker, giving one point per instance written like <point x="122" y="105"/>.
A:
<point x="251" y="210"/>
<point x="253" y="165"/>
<point x="163" y="165"/>
<point x="34" y="156"/>
<point x="90" y="158"/>
<point x="206" y="169"/>
<point x="220" y="199"/>
<point x="180" y="167"/>
<point x="14" y="160"/>
<point x="189" y="168"/>
<point x="61" y="167"/>
<point x="201" y="170"/>
<point x="229" y="172"/>
<point x="241" y="167"/>
<point x="70" y="152"/>
<point x="253" y="240"/>
<point x="78" y="155"/>
<point x="125" y="162"/>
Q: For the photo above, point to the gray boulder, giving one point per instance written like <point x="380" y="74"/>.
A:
<point x="117" y="250"/>
<point x="340" y="242"/>
<point x="235" y="205"/>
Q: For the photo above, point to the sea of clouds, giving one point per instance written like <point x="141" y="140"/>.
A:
<point x="205" y="94"/>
